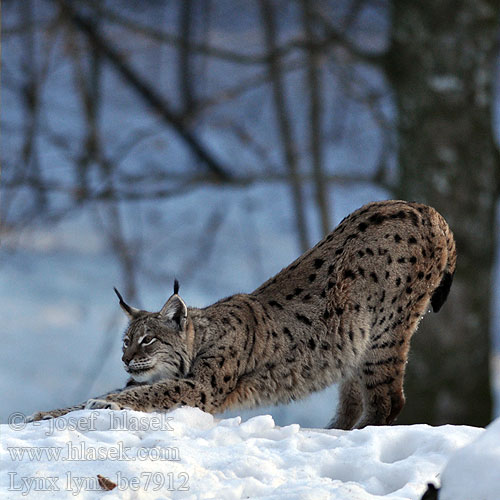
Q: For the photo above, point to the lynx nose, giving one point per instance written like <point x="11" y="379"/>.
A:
<point x="127" y="357"/>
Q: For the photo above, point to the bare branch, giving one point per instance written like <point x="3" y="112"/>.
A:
<point x="247" y="85"/>
<point x="148" y="186"/>
<point x="333" y="38"/>
<point x="29" y="159"/>
<point x="167" y="38"/>
<point x="315" y="117"/>
<point x="278" y="89"/>
<point x="145" y="91"/>
<point x="184" y="54"/>
<point x="341" y="39"/>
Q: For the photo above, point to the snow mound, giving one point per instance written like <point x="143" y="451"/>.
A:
<point x="474" y="471"/>
<point x="189" y="454"/>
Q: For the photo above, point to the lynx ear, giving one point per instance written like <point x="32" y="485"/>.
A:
<point x="175" y="310"/>
<point x="131" y="312"/>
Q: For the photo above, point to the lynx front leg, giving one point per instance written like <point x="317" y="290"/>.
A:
<point x="350" y="405"/>
<point x="168" y="395"/>
<point x="46" y="415"/>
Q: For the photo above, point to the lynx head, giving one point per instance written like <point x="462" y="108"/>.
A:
<point x="156" y="344"/>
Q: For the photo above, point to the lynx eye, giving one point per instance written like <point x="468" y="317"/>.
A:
<point x="125" y="343"/>
<point x="147" y="340"/>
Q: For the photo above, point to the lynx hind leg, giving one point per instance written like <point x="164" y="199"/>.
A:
<point x="350" y="405"/>
<point x="382" y="383"/>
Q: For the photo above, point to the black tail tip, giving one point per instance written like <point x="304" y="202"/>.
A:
<point x="432" y="492"/>
<point x="441" y="293"/>
<point x="176" y="287"/>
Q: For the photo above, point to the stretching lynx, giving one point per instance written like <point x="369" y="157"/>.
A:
<point x="344" y="312"/>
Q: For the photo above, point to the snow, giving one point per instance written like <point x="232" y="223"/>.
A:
<point x="473" y="471"/>
<point x="190" y="454"/>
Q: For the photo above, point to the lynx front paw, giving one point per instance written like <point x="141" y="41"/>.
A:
<point x="43" y="415"/>
<point x="104" y="404"/>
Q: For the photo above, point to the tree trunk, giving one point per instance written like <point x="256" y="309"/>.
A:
<point x="441" y="65"/>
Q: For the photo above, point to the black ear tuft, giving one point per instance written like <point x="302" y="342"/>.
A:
<point x="118" y="294"/>
<point x="131" y="312"/>
<point x="176" y="287"/>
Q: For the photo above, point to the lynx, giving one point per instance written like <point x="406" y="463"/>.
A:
<point x="343" y="312"/>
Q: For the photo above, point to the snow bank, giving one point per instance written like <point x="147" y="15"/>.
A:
<point x="474" y="471"/>
<point x="189" y="454"/>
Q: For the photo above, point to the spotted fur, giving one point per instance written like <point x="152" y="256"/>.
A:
<point x="343" y="312"/>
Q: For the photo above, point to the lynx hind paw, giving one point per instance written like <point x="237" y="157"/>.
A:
<point x="101" y="404"/>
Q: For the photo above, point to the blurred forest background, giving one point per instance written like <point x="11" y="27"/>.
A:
<point x="216" y="140"/>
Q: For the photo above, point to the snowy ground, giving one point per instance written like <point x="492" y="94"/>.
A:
<point x="189" y="454"/>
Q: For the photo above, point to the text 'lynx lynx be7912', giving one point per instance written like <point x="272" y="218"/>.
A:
<point x="343" y="312"/>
